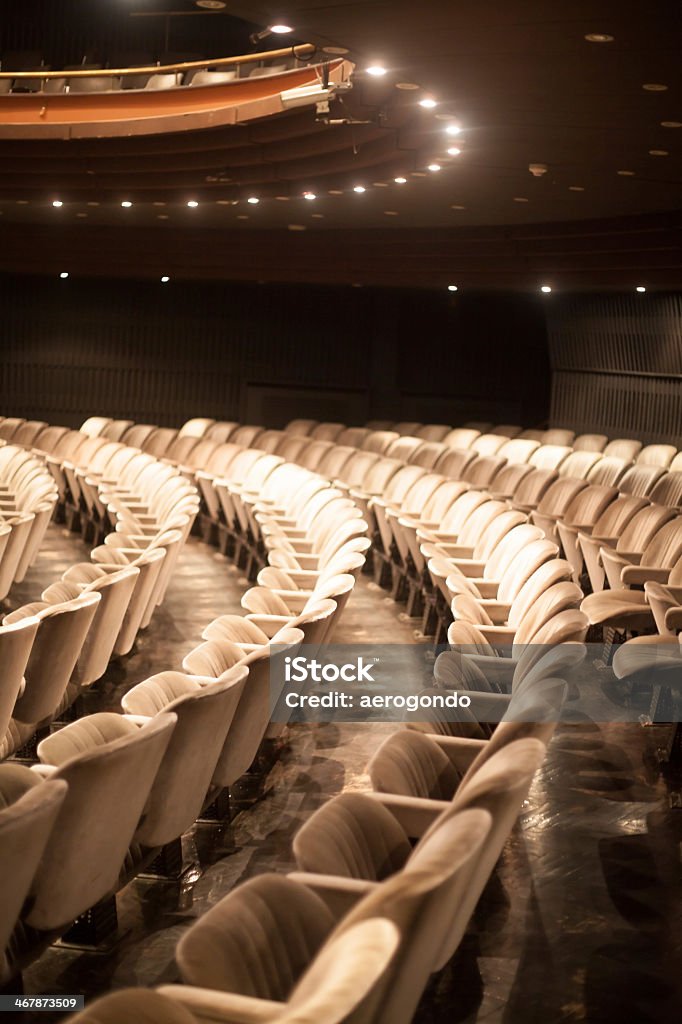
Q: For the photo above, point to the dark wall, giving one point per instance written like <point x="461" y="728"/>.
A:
<point x="164" y="352"/>
<point x="617" y="364"/>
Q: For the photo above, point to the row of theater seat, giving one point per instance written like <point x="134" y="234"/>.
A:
<point x="414" y="854"/>
<point x="27" y="501"/>
<point x="182" y="738"/>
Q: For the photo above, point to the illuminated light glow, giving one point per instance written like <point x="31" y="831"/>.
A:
<point x="407" y="86"/>
<point x="434" y="167"/>
<point x="520" y="199"/>
<point x="376" y="71"/>
<point x="453" y="129"/>
<point x="671" y="124"/>
<point x="640" y="288"/>
<point x="253" y="200"/>
<point x="400" y="180"/>
<point x="281" y="29"/>
<point x="599" y="37"/>
<point x="576" y="188"/>
<point x="359" y="189"/>
<point x="454" y="151"/>
<point x="64" y="274"/>
<point x="655" y="87"/>
<point x="192" y="203"/>
<point x="309" y="196"/>
<point x="162" y="216"/>
<point x="658" y="152"/>
<point x="545" y="289"/>
<point x="165" y="279"/>
<point x="126" y="204"/>
<point x="57" y="203"/>
<point x="428" y="103"/>
<point x="626" y="174"/>
<point x="452" y="287"/>
<point x="296" y="227"/>
<point x="456" y="206"/>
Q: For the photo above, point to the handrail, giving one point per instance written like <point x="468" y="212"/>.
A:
<point x="300" y="50"/>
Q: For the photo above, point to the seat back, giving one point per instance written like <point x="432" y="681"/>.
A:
<point x="640" y="480"/>
<point x="411" y="764"/>
<point x="16" y="641"/>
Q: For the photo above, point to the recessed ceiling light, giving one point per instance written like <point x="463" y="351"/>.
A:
<point x="400" y="180"/>
<point x="296" y="227"/>
<point x="576" y="188"/>
<point x="55" y="202"/>
<point x="640" y="288"/>
<point x="545" y="289"/>
<point x="626" y="174"/>
<point x="281" y="29"/>
<point x="282" y="199"/>
<point x="192" y="203"/>
<point x="359" y="188"/>
<point x="225" y="202"/>
<point x="317" y="216"/>
<point x="598" y="37"/>
<point x="655" y="87"/>
<point x="81" y="214"/>
<point x="520" y="199"/>
<point x="165" y="279"/>
<point x="334" y="192"/>
<point x="162" y="216"/>
<point x="671" y="124"/>
<point x="242" y="216"/>
<point x="309" y="196"/>
<point x="407" y="86"/>
<point x="211" y="5"/>
<point x="253" y="200"/>
<point x="158" y="203"/>
<point x="658" y="152"/>
<point x="434" y="167"/>
<point x="452" y="287"/>
<point x="390" y="213"/>
<point x="453" y="129"/>
<point x="454" y="151"/>
<point x="456" y="206"/>
<point x="126" y="204"/>
<point x="380" y="184"/>
<point x="24" y="202"/>
<point x="336" y="51"/>
<point x="376" y="71"/>
<point x="64" y="274"/>
<point x="418" y="174"/>
<point x="428" y="103"/>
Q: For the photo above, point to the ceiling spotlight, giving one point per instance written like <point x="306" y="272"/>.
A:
<point x="376" y="71"/>
<point x="281" y="29"/>
<point x="165" y="279"/>
<point x="671" y="124"/>
<point x="655" y="87"/>
<point x="454" y="151"/>
<point x="428" y="103"/>
<point x="640" y="288"/>
<point x="452" y="287"/>
<point x="434" y="167"/>
<point x="192" y="203"/>
<point x="545" y="289"/>
<point x="211" y="5"/>
<point x="626" y="174"/>
<point x="278" y="30"/>
<point x="126" y="204"/>
<point x="64" y="274"/>
<point x="309" y="196"/>
<point x="359" y="189"/>
<point x="57" y="203"/>
<point x="598" y="37"/>
<point x="400" y="180"/>
<point x="658" y="152"/>
<point x="453" y="129"/>
<point x="254" y="200"/>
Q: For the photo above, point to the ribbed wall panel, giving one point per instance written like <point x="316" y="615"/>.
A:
<point x="617" y="365"/>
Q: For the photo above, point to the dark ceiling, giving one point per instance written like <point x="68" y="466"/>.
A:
<point x="518" y="77"/>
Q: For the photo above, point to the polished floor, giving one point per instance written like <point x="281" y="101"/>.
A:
<point x="581" y="922"/>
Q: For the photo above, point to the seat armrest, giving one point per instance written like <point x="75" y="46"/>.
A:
<point x="498" y="635"/>
<point x="414" y="814"/>
<point x="270" y="624"/>
<point x="338" y="892"/>
<point x="461" y="751"/>
<point x="638" y="575"/>
<point x="486" y="588"/>
<point x="228" y="1007"/>
<point x="497" y="610"/>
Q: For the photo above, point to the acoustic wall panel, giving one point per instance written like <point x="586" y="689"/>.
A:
<point x="617" y="364"/>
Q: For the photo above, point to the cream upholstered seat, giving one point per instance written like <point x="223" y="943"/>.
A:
<point x="580" y="508"/>
<point x="656" y="455"/>
<point x="204" y="710"/>
<point x="116" y="591"/>
<point x="28" y="811"/>
<point x="590" y="443"/>
<point x="421" y="901"/>
<point x="109" y="765"/>
<point x="627" y="526"/>
<point x="353" y="837"/>
<point x="608" y="471"/>
<point x="487" y="444"/>
<point x="623" y="448"/>
<point x="515" y="574"/>
<point x="640" y="480"/>
<point x="652" y="562"/>
<point x="56" y="647"/>
<point x="353" y="437"/>
<point x="558" y="436"/>
<point x="16" y="641"/>
<point x="668" y="490"/>
<point x="134" y="1004"/>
